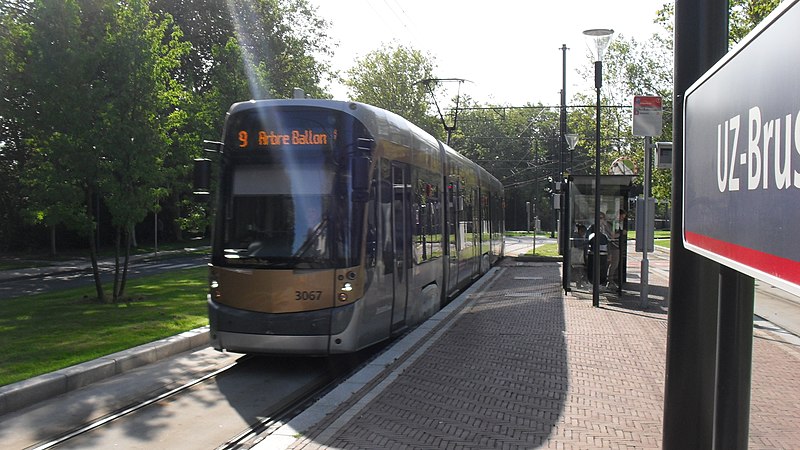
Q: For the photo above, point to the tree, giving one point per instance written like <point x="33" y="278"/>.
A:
<point x="284" y="40"/>
<point x="59" y="92"/>
<point x="390" y="78"/>
<point x="630" y="68"/>
<point x="519" y="146"/>
<point x="746" y="14"/>
<point x="100" y="99"/>
<point x="59" y="108"/>
<point x="141" y="54"/>
<point x="13" y="151"/>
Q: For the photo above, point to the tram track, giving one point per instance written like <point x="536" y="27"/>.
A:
<point x="234" y="406"/>
<point x="251" y="436"/>
<point x="129" y="410"/>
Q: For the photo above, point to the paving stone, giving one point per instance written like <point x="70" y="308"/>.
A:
<point x="524" y="366"/>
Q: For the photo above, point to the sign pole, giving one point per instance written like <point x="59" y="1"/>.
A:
<point x="734" y="360"/>
<point x="645" y="267"/>
<point x="701" y="38"/>
<point x="647" y="122"/>
<point x="752" y="181"/>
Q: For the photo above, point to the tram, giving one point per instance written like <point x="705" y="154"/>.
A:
<point x="339" y="225"/>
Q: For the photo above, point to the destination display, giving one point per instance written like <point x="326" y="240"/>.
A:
<point x="742" y="156"/>
<point x="263" y="138"/>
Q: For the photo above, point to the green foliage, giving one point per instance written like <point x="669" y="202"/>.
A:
<point x="519" y="146"/>
<point x="241" y="50"/>
<point x="142" y="53"/>
<point x="267" y="46"/>
<point x="100" y="98"/>
<point x="390" y="78"/>
<point x="12" y="152"/>
<point x="630" y="68"/>
<point x="58" y="63"/>
<point x="106" y="103"/>
<point x="746" y="14"/>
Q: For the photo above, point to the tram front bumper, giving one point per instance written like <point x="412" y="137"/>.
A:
<point x="244" y="331"/>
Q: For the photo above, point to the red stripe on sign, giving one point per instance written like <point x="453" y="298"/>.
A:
<point x="783" y="268"/>
<point x="648" y="101"/>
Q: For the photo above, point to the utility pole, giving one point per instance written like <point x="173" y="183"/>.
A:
<point x="563" y="120"/>
<point x="565" y="233"/>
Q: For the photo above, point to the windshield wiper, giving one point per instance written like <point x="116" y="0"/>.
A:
<point x="311" y="241"/>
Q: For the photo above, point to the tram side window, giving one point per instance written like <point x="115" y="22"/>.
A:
<point x="427" y="220"/>
<point x="455" y="210"/>
<point x="372" y="224"/>
<point x="497" y="217"/>
<point x="485" y="223"/>
<point x="385" y="213"/>
<point x="467" y="219"/>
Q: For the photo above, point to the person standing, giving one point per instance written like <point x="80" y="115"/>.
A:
<point x="614" y="251"/>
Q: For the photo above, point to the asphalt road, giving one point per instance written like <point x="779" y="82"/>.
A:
<point x="67" y="280"/>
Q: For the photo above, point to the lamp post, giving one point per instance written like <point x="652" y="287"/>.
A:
<point x="566" y="237"/>
<point x="599" y="38"/>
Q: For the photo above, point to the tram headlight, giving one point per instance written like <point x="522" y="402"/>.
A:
<point x="213" y="285"/>
<point x="342" y="297"/>
<point x="347" y="287"/>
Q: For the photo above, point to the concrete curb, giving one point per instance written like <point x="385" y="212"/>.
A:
<point x="19" y="395"/>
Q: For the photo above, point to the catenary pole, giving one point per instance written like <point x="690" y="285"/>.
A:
<point x="565" y="232"/>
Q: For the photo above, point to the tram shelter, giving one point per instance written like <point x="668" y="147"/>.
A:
<point x="579" y="204"/>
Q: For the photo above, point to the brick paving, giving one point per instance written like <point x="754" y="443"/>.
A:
<point x="523" y="366"/>
<point x="775" y="395"/>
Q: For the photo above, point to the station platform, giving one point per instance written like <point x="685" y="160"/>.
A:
<point x="516" y="363"/>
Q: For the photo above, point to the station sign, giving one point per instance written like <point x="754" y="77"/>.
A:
<point x="648" y="114"/>
<point x="741" y="192"/>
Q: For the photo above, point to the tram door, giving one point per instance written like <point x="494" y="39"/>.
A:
<point x="401" y="238"/>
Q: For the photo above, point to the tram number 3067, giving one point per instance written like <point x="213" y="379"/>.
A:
<point x="307" y="295"/>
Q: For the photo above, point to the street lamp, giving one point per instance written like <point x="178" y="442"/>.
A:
<point x="599" y="39"/>
<point x="572" y="141"/>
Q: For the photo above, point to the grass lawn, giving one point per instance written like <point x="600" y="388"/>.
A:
<point x="662" y="242"/>
<point x="661" y="237"/>
<point x="46" y="332"/>
<point x="544" y="250"/>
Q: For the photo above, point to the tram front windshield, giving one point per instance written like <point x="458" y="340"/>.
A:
<point x="285" y="200"/>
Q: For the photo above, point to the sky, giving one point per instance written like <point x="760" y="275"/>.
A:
<point x="508" y="50"/>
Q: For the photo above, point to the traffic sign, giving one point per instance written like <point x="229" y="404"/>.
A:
<point x="742" y="155"/>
